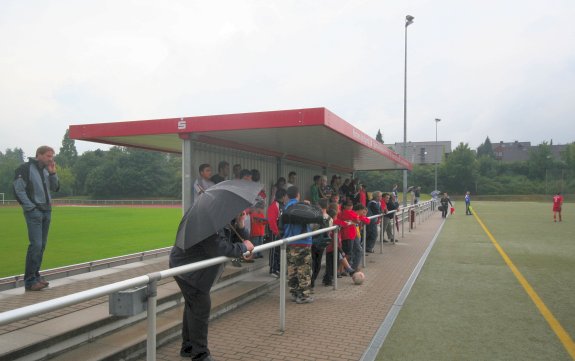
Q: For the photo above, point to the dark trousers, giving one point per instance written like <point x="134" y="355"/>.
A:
<point x="444" y="211"/>
<point x="195" y="320"/>
<point x="316" y="257"/>
<point x="328" y="276"/>
<point x="275" y="259"/>
<point x="38" y="223"/>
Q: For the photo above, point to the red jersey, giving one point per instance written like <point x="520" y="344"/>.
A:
<point x="557" y="202"/>
<point x="273" y="217"/>
<point x="348" y="232"/>
<point x="258" y="224"/>
<point x="363" y="197"/>
<point x="383" y="205"/>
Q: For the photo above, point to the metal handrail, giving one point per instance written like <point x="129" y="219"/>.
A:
<point x="86" y="266"/>
<point x="151" y="281"/>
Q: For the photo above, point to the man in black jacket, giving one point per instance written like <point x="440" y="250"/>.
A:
<point x="33" y="182"/>
<point x="373" y="208"/>
<point x="196" y="285"/>
<point x="389" y="217"/>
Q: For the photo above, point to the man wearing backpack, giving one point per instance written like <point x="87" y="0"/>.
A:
<point x="33" y="182"/>
<point x="298" y="255"/>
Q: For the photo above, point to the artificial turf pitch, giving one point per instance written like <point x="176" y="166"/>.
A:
<point x="82" y="234"/>
<point x="467" y="304"/>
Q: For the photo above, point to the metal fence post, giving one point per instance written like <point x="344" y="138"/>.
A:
<point x="283" y="269"/>
<point x="152" y="300"/>
<point x="363" y="240"/>
<point x="335" y="260"/>
<point x="381" y="234"/>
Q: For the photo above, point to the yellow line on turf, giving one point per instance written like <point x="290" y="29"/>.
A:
<point x="551" y="320"/>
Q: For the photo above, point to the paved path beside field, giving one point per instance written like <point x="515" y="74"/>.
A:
<point x="339" y="325"/>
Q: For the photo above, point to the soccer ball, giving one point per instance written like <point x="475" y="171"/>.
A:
<point x="358" y="277"/>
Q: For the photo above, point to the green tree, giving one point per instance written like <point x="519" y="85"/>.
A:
<point x="487" y="166"/>
<point x="486" y="149"/>
<point x="379" y="136"/>
<point x="459" y="172"/>
<point x="540" y="161"/>
<point x="68" y="153"/>
<point x="132" y="173"/>
<point x="84" y="165"/>
<point x="67" y="181"/>
<point x="9" y="161"/>
<point x="568" y="157"/>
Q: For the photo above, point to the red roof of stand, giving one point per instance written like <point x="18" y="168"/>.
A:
<point x="313" y="136"/>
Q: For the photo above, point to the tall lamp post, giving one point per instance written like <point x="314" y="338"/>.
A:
<point x="408" y="21"/>
<point x="437" y="120"/>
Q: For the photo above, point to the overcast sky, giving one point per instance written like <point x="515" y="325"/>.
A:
<point x="497" y="68"/>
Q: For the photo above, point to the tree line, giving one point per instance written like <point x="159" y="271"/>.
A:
<point x="124" y="173"/>
<point x="481" y="173"/>
<point x="118" y="173"/>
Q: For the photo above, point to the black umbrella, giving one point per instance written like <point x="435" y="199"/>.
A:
<point x="215" y="208"/>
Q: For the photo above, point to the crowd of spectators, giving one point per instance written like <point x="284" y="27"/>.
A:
<point x="346" y="204"/>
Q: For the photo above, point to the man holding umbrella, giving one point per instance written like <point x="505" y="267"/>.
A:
<point x="201" y="236"/>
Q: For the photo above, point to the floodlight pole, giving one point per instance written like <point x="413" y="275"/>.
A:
<point x="408" y="21"/>
<point x="437" y="120"/>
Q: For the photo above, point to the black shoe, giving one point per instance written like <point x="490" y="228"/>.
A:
<point x="186" y="351"/>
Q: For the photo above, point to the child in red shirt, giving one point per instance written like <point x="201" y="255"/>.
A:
<point x="357" y="250"/>
<point x="348" y="233"/>
<point x="258" y="226"/>
<point x="342" y="261"/>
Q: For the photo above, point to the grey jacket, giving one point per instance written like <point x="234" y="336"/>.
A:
<point x="29" y="186"/>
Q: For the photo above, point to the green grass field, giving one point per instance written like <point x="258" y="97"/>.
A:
<point x="468" y="305"/>
<point x="81" y="234"/>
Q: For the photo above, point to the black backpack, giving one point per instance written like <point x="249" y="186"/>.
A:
<point x="23" y="171"/>
<point x="301" y="213"/>
<point x="322" y="240"/>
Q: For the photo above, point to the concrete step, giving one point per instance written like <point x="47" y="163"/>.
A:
<point x="93" y="334"/>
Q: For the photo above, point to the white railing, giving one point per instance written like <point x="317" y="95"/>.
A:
<point x="151" y="281"/>
<point x="66" y="271"/>
<point x="107" y="202"/>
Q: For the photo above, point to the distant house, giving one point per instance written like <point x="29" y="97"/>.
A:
<point x="423" y="152"/>
<point x="511" y="152"/>
<point x="518" y="151"/>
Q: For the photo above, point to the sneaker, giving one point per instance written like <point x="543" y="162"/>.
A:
<point x="275" y="274"/>
<point x="36" y="287"/>
<point x="44" y="282"/>
<point x="307" y="299"/>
